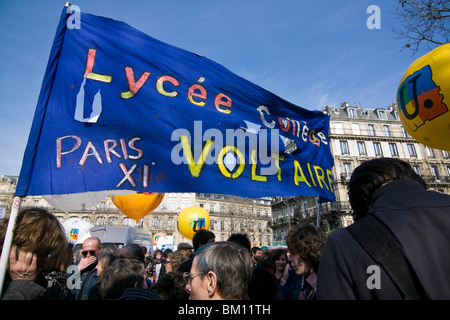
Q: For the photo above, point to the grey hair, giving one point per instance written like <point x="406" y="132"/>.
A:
<point x="232" y="265"/>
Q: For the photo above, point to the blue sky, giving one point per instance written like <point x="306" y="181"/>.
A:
<point x="311" y="53"/>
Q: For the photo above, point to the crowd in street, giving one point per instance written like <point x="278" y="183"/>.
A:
<point x="399" y="225"/>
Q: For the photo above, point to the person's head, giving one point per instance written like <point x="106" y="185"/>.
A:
<point x="171" y="286"/>
<point x="157" y="254"/>
<point x="305" y="244"/>
<point x="122" y="274"/>
<point x="173" y="261"/>
<point x="373" y="174"/>
<point x="266" y="260"/>
<point x="132" y="251"/>
<point x="220" y="270"/>
<point x="105" y="259"/>
<point x="166" y="252"/>
<point x="185" y="248"/>
<point x="61" y="261"/>
<point x="241" y="239"/>
<point x="92" y="247"/>
<point x="279" y="259"/>
<point x="39" y="232"/>
<point x="202" y="237"/>
<point x="256" y="254"/>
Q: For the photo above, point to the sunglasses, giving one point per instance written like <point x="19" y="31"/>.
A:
<point x="91" y="252"/>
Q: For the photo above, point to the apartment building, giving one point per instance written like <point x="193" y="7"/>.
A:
<point x="228" y="214"/>
<point x="357" y="135"/>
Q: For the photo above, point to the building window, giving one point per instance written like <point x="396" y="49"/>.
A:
<point x="393" y="148"/>
<point x="412" y="150"/>
<point x="185" y="200"/>
<point x="171" y="202"/>
<point x="417" y="169"/>
<point x="155" y="221"/>
<point x="429" y="152"/>
<point x="377" y="149"/>
<point x="100" y="221"/>
<point x="355" y="129"/>
<point x="371" y="130"/>
<point x="127" y="222"/>
<point x="211" y="208"/>
<point x="305" y="207"/>
<point x="365" y="113"/>
<point x="344" y="147"/>
<point x="170" y="222"/>
<point x="445" y="154"/>
<point x="362" y="148"/>
<point x="404" y="132"/>
<point x="113" y="221"/>
<point x="86" y="219"/>
<point x="381" y="114"/>
<point x="387" y="131"/>
<point x="435" y="172"/>
<point x="171" y="205"/>
<point x="347" y="170"/>
<point x="395" y="115"/>
<point x="339" y="128"/>
<point x="351" y="113"/>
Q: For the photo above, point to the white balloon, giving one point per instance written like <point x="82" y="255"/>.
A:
<point x="80" y="201"/>
<point x="75" y="228"/>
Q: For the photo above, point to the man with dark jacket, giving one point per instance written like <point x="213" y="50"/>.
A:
<point x="91" y="248"/>
<point x="201" y="237"/>
<point x="419" y="220"/>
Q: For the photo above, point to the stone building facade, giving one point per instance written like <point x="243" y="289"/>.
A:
<point x="357" y="135"/>
<point x="228" y="214"/>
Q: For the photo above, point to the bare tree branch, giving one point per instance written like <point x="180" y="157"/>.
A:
<point x="424" y="23"/>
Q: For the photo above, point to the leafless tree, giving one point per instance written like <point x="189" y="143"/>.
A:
<point x="424" y="23"/>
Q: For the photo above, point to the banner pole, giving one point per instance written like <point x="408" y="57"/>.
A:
<point x="318" y="211"/>
<point x="4" y="258"/>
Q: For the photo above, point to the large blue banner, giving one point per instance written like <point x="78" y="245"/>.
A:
<point x="120" y="110"/>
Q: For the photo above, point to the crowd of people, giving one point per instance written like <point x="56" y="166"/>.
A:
<point x="416" y="232"/>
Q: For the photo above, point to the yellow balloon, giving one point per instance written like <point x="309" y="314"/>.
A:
<point x="137" y="205"/>
<point x="192" y="219"/>
<point x="423" y="98"/>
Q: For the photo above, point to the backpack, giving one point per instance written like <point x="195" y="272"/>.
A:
<point x="378" y="241"/>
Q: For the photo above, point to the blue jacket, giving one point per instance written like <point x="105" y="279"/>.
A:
<point x="88" y="279"/>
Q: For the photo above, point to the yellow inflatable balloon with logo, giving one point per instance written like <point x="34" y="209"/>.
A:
<point x="192" y="219"/>
<point x="137" y="205"/>
<point x="423" y="98"/>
